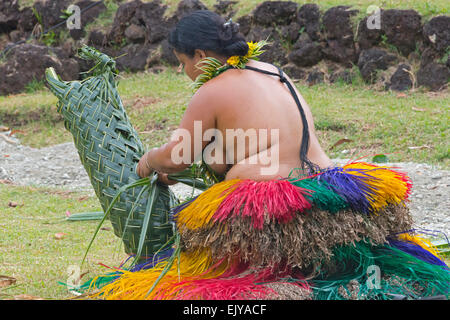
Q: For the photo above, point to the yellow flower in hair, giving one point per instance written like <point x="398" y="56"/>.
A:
<point x="233" y="60"/>
<point x="251" y="48"/>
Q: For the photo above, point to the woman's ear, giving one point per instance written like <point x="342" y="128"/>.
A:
<point x="200" y="54"/>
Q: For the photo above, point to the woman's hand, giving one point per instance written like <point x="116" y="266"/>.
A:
<point x="143" y="168"/>
<point x="162" y="177"/>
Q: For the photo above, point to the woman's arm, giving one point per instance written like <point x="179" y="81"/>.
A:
<point x="187" y="140"/>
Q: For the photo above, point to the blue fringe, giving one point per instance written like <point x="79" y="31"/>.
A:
<point x="416" y="251"/>
<point x="152" y="261"/>
<point x="354" y="189"/>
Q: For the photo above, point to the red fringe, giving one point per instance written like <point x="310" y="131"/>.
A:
<point x="233" y="285"/>
<point x="408" y="182"/>
<point x="277" y="200"/>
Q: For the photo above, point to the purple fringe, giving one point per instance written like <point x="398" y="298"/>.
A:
<point x="175" y="210"/>
<point x="152" y="261"/>
<point x="417" y="251"/>
<point x="354" y="189"/>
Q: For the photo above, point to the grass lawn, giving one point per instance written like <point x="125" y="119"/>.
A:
<point x="30" y="250"/>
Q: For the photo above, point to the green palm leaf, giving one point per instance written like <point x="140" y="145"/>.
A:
<point x="109" y="149"/>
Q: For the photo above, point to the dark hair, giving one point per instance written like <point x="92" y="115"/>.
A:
<point x="207" y="30"/>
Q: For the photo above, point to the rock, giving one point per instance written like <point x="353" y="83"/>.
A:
<point x="167" y="54"/>
<point x="401" y="79"/>
<point x="338" y="28"/>
<point x="27" y="20"/>
<point x="27" y="62"/>
<point x="124" y="16"/>
<point x="368" y="38"/>
<point x="89" y="15"/>
<point x="343" y="75"/>
<point x="277" y="13"/>
<point x="429" y="55"/>
<point x="16" y="36"/>
<point x="374" y="59"/>
<point x="9" y="15"/>
<point x="51" y="11"/>
<point x="274" y="53"/>
<point x="225" y="8"/>
<point x="245" y="23"/>
<point x="291" y="32"/>
<point x="186" y="7"/>
<point x="156" y="27"/>
<point x="437" y="33"/>
<point x="315" y="76"/>
<point x="294" y="72"/>
<point x="337" y="22"/>
<point x="435" y="76"/>
<point x="135" y="33"/>
<point x="258" y="33"/>
<point x="308" y="17"/>
<point x="402" y="28"/>
<point x="305" y="53"/>
<point x="343" y="52"/>
<point x="134" y="57"/>
<point x="77" y="34"/>
<point x="90" y="10"/>
<point x="97" y="39"/>
<point x="143" y="22"/>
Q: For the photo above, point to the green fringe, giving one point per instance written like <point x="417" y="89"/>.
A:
<point x="323" y="196"/>
<point x="401" y="274"/>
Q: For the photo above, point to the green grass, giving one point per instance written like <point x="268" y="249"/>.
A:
<point x="425" y="8"/>
<point x="29" y="251"/>
<point x="376" y="121"/>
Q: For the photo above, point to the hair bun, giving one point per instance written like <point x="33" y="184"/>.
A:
<point x="229" y="30"/>
<point x="207" y="30"/>
<point x="238" y="48"/>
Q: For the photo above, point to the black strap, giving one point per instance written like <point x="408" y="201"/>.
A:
<point x="305" y="138"/>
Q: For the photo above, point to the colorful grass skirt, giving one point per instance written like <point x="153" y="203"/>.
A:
<point x="343" y="233"/>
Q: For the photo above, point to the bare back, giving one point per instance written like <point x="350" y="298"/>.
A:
<point x="251" y="101"/>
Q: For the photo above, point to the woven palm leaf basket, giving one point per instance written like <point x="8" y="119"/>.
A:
<point x="109" y="149"/>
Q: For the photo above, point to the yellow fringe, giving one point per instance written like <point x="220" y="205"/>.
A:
<point x="199" y="213"/>
<point x="422" y="242"/>
<point x="388" y="184"/>
<point x="136" y="285"/>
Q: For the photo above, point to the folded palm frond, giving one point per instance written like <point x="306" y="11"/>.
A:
<point x="109" y="149"/>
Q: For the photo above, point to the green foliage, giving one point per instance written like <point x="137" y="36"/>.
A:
<point x="65" y="14"/>
<point x="49" y="38"/>
<point x="380" y="158"/>
<point x="34" y="86"/>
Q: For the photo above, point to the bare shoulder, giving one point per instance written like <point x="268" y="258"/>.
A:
<point x="220" y="90"/>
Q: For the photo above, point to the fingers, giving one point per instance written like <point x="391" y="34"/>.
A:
<point x="142" y="170"/>
<point x="163" y="177"/>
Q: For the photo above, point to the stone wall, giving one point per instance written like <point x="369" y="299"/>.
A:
<point x="311" y="44"/>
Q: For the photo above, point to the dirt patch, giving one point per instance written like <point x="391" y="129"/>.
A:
<point x="140" y="103"/>
<point x="17" y="119"/>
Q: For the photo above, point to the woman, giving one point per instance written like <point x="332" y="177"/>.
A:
<point x="236" y="99"/>
<point x="322" y="233"/>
